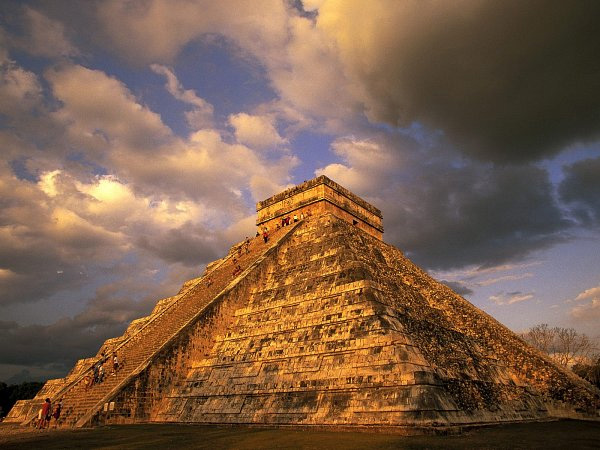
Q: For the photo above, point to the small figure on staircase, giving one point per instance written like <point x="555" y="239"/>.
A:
<point x="265" y="236"/>
<point x="115" y="361"/>
<point x="237" y="270"/>
<point x="56" y="413"/>
<point x="96" y="378"/>
<point x="247" y="245"/>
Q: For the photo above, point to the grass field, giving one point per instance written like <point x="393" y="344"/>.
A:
<point x="562" y="434"/>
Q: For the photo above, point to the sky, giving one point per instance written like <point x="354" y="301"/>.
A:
<point x="137" y="136"/>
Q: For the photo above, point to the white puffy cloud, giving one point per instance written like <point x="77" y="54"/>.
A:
<point x="368" y="165"/>
<point x="100" y="112"/>
<point x="116" y="131"/>
<point x="134" y="191"/>
<point x="45" y="37"/>
<point x="442" y="64"/>
<point x="301" y="61"/>
<point x="588" y="309"/>
<point x="256" y="131"/>
<point x="510" y="298"/>
<point x="201" y="116"/>
<point x="589" y="294"/>
<point x="20" y="89"/>
<point x="157" y="30"/>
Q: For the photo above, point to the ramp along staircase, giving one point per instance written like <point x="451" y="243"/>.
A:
<point x="80" y="402"/>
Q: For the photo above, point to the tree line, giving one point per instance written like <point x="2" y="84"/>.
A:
<point x="9" y="394"/>
<point x="568" y="348"/>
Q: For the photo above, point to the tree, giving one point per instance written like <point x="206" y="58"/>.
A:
<point x="10" y="394"/>
<point x="565" y="345"/>
<point x="541" y="337"/>
<point x="572" y="347"/>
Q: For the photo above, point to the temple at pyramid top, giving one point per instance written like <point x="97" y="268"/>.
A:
<point x="317" y="196"/>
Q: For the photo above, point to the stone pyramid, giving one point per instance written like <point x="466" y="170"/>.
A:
<point x="323" y="325"/>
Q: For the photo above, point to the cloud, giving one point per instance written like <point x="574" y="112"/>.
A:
<point x="99" y="110"/>
<point x="510" y="298"/>
<point x="201" y="116"/>
<point x="491" y="281"/>
<point x="131" y="189"/>
<point x="256" y="131"/>
<point x="447" y="212"/>
<point x="300" y="61"/>
<point x="458" y="287"/>
<point x="499" y="88"/>
<point x="188" y="244"/>
<point x="588" y="309"/>
<point x="45" y="37"/>
<point x="157" y="30"/>
<point x="39" y="236"/>
<point x="580" y="189"/>
<point x="56" y="346"/>
<point x="116" y="131"/>
<point x="504" y="81"/>
<point x="20" y="90"/>
<point x="589" y="294"/>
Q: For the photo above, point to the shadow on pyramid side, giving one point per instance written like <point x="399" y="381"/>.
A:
<point x="326" y="325"/>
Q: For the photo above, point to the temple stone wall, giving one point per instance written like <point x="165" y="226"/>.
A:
<point x="317" y="197"/>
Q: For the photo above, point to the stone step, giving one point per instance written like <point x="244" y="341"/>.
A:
<point x="147" y="340"/>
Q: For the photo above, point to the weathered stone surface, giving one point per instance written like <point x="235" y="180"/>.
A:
<point x="326" y="325"/>
<point x="316" y="197"/>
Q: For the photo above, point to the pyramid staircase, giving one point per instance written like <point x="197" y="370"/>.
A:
<point x="136" y="352"/>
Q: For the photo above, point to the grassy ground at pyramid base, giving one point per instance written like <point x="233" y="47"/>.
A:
<point x="548" y="435"/>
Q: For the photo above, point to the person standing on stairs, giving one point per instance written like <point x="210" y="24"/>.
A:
<point x="96" y="378"/>
<point x="115" y="361"/>
<point x="46" y="414"/>
<point x="56" y="413"/>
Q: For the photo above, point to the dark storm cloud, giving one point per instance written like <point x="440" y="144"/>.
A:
<point x="505" y="80"/>
<point x="53" y="349"/>
<point x="458" y="287"/>
<point x="189" y="244"/>
<point x="37" y="257"/>
<point x="476" y="215"/>
<point x="449" y="212"/>
<point x="581" y="190"/>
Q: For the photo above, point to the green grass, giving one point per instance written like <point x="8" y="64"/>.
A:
<point x="562" y="434"/>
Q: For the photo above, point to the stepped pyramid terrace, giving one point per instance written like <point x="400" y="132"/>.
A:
<point x="324" y="325"/>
